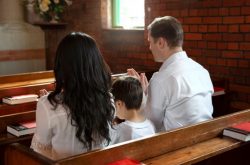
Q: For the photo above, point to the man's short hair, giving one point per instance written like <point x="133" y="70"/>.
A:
<point x="129" y="90"/>
<point x="168" y="28"/>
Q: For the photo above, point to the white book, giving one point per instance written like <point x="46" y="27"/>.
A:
<point x="23" y="128"/>
<point x="20" y="99"/>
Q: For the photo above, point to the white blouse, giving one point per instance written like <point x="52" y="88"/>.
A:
<point x="55" y="137"/>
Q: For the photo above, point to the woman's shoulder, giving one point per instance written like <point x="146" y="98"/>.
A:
<point x="44" y="102"/>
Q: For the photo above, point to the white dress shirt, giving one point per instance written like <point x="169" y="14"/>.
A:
<point x="179" y="94"/>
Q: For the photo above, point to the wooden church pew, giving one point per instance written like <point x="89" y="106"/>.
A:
<point x="24" y="84"/>
<point x="20" y="84"/>
<point x="201" y="143"/>
<point x="7" y="138"/>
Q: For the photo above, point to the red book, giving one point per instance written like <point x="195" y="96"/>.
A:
<point x="239" y="131"/>
<point x="218" y="91"/>
<point x="126" y="162"/>
<point x="22" y="128"/>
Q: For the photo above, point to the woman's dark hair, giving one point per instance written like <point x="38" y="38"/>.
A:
<point x="169" y="28"/>
<point x="83" y="81"/>
<point x="128" y="90"/>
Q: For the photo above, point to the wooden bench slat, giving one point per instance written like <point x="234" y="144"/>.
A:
<point x="196" y="152"/>
<point x="26" y="77"/>
<point x="27" y="83"/>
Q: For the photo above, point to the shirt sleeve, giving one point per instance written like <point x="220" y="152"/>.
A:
<point x="115" y="135"/>
<point x="156" y="104"/>
<point x="41" y="141"/>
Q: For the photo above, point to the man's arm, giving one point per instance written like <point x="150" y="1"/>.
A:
<point x="155" y="105"/>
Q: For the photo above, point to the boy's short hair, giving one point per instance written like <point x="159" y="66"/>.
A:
<point x="128" y="90"/>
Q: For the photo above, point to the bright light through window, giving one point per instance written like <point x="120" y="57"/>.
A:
<point x="128" y="13"/>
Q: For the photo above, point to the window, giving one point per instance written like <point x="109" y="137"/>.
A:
<point x="128" y="14"/>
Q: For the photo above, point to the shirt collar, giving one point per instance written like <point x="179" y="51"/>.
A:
<point x="172" y="58"/>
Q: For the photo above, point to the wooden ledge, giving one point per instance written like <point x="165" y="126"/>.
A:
<point x="48" y="25"/>
<point x="27" y="83"/>
<point x="196" y="152"/>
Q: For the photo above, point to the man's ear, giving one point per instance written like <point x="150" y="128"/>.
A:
<point x="162" y="42"/>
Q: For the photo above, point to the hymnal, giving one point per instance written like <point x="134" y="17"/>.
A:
<point x="23" y="128"/>
<point x="218" y="91"/>
<point x="239" y="131"/>
<point x="126" y="161"/>
<point x="20" y="99"/>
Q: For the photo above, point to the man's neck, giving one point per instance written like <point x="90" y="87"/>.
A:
<point x="172" y="51"/>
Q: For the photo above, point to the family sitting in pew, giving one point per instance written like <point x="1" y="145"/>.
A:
<point x="78" y="116"/>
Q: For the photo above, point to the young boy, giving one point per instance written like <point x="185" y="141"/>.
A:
<point x="128" y="95"/>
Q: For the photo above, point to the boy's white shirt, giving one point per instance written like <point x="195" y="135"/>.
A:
<point x="131" y="130"/>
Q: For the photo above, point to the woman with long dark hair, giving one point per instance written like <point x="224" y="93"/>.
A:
<point x="76" y="116"/>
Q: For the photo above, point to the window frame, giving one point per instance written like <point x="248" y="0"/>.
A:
<point x="115" y="20"/>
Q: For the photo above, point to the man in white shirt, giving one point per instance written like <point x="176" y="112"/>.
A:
<point x="180" y="93"/>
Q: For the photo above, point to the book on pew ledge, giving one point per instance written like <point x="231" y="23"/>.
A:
<point x="126" y="162"/>
<point x="20" y="99"/>
<point x="239" y="131"/>
<point x="23" y="128"/>
<point x="218" y="91"/>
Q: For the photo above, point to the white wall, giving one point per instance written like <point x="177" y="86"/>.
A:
<point x="16" y="34"/>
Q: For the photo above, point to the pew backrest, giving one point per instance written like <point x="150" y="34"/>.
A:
<point x="168" y="144"/>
